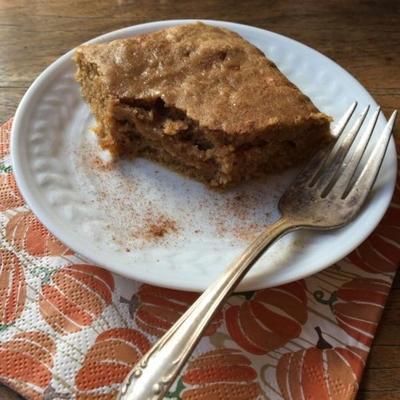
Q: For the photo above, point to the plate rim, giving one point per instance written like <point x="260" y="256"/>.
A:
<point x="48" y="221"/>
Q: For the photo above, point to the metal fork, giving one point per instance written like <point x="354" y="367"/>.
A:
<point x="327" y="194"/>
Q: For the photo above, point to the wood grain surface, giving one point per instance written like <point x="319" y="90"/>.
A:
<point x="362" y="36"/>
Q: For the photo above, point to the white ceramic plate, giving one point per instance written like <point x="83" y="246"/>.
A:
<point x="110" y="214"/>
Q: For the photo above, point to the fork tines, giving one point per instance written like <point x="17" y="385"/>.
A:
<point x="336" y="173"/>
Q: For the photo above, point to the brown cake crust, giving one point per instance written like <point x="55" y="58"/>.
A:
<point x="219" y="79"/>
<point x="200" y="99"/>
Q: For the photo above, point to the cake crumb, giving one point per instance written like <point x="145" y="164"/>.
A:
<point x="171" y="127"/>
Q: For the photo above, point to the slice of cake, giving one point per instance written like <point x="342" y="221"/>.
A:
<point x="201" y="100"/>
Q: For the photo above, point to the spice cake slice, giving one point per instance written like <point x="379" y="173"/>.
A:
<point x="200" y="99"/>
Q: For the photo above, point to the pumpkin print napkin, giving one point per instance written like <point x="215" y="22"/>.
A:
<point x="69" y="330"/>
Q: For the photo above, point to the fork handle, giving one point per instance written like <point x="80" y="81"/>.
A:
<point x="153" y="375"/>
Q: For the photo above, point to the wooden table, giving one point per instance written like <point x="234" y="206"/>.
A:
<point x="362" y="36"/>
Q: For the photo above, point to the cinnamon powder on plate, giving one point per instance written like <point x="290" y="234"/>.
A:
<point x="159" y="227"/>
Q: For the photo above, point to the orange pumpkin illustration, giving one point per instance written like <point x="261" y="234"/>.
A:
<point x="159" y="308"/>
<point x="358" y="306"/>
<point x="12" y="288"/>
<point x="25" y="232"/>
<point x="108" y="362"/>
<point x="321" y="373"/>
<point x="5" y="131"/>
<point x="221" y="374"/>
<point x="9" y="193"/>
<point x="269" y="319"/>
<point x="75" y="297"/>
<point x="26" y="363"/>
<point x="381" y="251"/>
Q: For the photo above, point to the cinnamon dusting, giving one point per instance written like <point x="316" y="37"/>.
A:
<point x="102" y="165"/>
<point x="160" y="227"/>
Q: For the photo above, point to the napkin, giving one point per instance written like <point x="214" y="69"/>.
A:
<point x="69" y="330"/>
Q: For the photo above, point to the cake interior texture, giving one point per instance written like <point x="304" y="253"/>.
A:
<point x="201" y="100"/>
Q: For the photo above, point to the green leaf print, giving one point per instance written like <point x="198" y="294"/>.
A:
<point x="175" y="395"/>
<point x="4" y="327"/>
<point x="5" y="168"/>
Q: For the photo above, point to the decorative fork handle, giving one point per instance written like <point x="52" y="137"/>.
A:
<point x="153" y="375"/>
